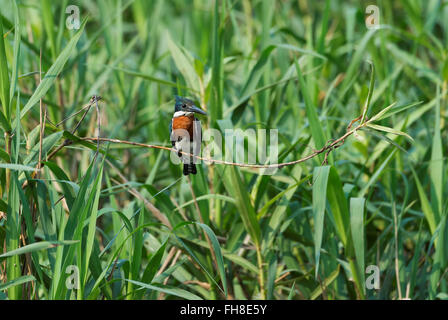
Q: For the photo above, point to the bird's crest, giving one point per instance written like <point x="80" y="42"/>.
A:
<point x="181" y="101"/>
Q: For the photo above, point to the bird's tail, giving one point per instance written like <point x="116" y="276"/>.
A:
<point x="189" y="168"/>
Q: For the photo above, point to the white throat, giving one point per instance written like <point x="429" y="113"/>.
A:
<point x="181" y="114"/>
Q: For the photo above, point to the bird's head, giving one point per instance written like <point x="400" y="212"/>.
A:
<point x="186" y="105"/>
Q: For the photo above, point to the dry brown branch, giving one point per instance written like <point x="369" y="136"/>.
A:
<point x="176" y="257"/>
<point x="202" y="284"/>
<point x="94" y="100"/>
<point x="167" y="260"/>
<point x="326" y="149"/>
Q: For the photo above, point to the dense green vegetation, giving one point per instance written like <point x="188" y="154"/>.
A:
<point x="131" y="226"/>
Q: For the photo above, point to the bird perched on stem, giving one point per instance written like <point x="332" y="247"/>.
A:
<point x="185" y="132"/>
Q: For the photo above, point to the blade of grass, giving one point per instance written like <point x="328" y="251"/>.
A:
<point x="15" y="64"/>
<point x="16" y="282"/>
<point x="357" y="231"/>
<point x="217" y="249"/>
<point x="311" y="112"/>
<point x="172" y="291"/>
<point x="4" y="81"/>
<point x="320" y="180"/>
<point x="53" y="72"/>
<point x="436" y="170"/>
<point x="425" y="204"/>
<point x="37" y="246"/>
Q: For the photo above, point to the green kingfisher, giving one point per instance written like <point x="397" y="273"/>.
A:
<point x="185" y="132"/>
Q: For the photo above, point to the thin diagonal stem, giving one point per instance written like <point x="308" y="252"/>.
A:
<point x="327" y="148"/>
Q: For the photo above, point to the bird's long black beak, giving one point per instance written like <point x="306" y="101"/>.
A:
<point x="196" y="110"/>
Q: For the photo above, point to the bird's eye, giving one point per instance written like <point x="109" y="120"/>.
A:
<point x="184" y="106"/>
